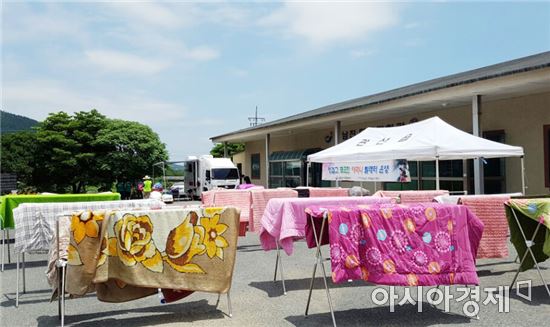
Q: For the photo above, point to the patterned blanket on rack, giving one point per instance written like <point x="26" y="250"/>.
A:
<point x="126" y="255"/>
<point x="407" y="245"/>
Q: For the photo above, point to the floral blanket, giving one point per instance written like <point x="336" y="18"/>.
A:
<point x="408" y="245"/>
<point x="126" y="255"/>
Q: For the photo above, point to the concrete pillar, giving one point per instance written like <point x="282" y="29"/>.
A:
<point x="267" y="141"/>
<point x="337" y="129"/>
<point x="476" y="130"/>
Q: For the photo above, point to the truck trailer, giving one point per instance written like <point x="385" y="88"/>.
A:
<point x="205" y="173"/>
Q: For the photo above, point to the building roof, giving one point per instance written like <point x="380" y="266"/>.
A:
<point x="521" y="65"/>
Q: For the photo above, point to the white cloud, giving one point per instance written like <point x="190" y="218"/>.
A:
<point x="232" y="15"/>
<point x="201" y="53"/>
<point x="412" y="25"/>
<point x="173" y="122"/>
<point x="150" y="13"/>
<point x="21" y="22"/>
<point x="324" y="23"/>
<point x="116" y="61"/>
<point x="238" y="72"/>
<point x="414" y="42"/>
<point x="360" y="53"/>
<point x="38" y="98"/>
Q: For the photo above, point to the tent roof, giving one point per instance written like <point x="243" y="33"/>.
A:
<point x="423" y="141"/>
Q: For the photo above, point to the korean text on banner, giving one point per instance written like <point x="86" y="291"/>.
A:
<point x="379" y="171"/>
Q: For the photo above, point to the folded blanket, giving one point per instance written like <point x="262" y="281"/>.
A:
<point x="412" y="196"/>
<point x="315" y="192"/>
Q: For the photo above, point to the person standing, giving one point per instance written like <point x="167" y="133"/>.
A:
<point x="147" y="186"/>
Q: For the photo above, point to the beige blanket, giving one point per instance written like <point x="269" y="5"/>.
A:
<point x="129" y="254"/>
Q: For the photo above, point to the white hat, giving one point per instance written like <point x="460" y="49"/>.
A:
<point x="146" y="177"/>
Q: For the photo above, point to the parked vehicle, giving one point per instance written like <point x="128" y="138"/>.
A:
<point x="178" y="189"/>
<point x="205" y="173"/>
<point x="167" y="197"/>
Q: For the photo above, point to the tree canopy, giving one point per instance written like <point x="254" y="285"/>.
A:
<point x="87" y="148"/>
<point x="232" y="149"/>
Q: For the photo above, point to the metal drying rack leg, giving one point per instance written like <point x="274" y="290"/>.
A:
<point x="17" y="280"/>
<point x="529" y="244"/>
<point x="3" y="247"/>
<point x="229" y="304"/>
<point x="279" y="264"/>
<point x="319" y="261"/>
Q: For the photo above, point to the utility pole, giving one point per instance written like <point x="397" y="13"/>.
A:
<point x="254" y="121"/>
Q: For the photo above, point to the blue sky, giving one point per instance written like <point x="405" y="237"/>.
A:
<point x="194" y="70"/>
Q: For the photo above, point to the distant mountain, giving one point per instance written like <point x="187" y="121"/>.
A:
<point x="15" y="123"/>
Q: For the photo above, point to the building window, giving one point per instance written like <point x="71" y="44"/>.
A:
<point x="451" y="176"/>
<point x="276" y="176"/>
<point x="255" y="166"/>
<point x="285" y="173"/>
<point x="494" y="170"/>
<point x="546" y="129"/>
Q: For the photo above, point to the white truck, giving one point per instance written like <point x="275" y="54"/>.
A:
<point x="204" y="173"/>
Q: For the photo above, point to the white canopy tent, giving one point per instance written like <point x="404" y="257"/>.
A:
<point x="426" y="140"/>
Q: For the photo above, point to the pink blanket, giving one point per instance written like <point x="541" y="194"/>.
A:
<point x="409" y="245"/>
<point x="284" y="220"/>
<point x="235" y="198"/>
<point x="490" y="209"/>
<point x="315" y="192"/>
<point x="412" y="196"/>
<point x="252" y="202"/>
<point x="259" y="203"/>
<point x="207" y="198"/>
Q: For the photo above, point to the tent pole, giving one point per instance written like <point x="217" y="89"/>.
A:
<point x="307" y="172"/>
<point x="522" y="176"/>
<point x="437" y="173"/>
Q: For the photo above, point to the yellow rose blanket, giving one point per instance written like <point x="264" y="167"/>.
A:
<point x="127" y="255"/>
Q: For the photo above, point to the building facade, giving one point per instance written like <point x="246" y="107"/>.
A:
<point x="507" y="102"/>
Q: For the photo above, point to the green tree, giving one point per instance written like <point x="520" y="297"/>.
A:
<point x="17" y="155"/>
<point x="232" y="149"/>
<point x="56" y="149"/>
<point x="68" y="152"/>
<point x="129" y="150"/>
<point x="66" y="155"/>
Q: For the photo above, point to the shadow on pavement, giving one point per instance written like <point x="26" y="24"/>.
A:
<point x="24" y="299"/>
<point x="539" y="295"/>
<point x="495" y="263"/>
<point x="274" y="289"/>
<point x="148" y="316"/>
<point x="28" y="264"/>
<point x="249" y="248"/>
<point x="382" y="316"/>
<point x="485" y="273"/>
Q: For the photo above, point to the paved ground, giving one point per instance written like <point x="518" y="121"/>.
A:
<point x="258" y="301"/>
